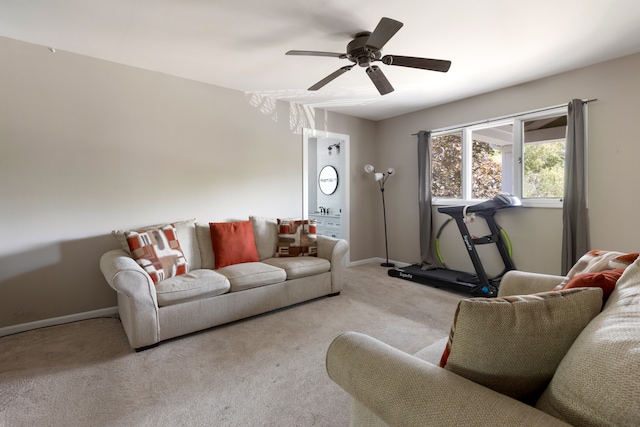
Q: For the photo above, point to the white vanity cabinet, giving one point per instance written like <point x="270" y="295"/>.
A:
<point x="327" y="225"/>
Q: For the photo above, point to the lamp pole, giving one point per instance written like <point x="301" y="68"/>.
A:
<point x="382" y="178"/>
<point x="384" y="215"/>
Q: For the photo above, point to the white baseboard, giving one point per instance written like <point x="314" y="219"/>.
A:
<point x="23" y="327"/>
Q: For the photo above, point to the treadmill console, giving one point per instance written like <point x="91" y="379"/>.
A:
<point x="500" y="201"/>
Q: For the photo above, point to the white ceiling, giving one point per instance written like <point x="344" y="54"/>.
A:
<point x="241" y="44"/>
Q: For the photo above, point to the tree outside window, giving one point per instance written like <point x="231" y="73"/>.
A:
<point x="523" y="156"/>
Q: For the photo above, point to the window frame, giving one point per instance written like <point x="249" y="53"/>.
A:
<point x="517" y="121"/>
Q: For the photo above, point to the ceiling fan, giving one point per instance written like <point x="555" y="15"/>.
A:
<point x="366" y="47"/>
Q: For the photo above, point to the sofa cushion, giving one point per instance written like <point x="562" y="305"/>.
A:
<point x="185" y="230"/>
<point x="203" y="235"/>
<point x="598" y="381"/>
<point x="233" y="243"/>
<point x="158" y="252"/>
<point x="300" y="266"/>
<point x="296" y="238"/>
<point x="195" y="284"/>
<point x="265" y="232"/>
<point x="514" y="344"/>
<point x="251" y="275"/>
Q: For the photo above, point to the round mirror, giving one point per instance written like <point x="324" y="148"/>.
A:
<point x="328" y="180"/>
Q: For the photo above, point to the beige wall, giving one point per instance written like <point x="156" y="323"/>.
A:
<point x="88" y="146"/>
<point x="614" y="150"/>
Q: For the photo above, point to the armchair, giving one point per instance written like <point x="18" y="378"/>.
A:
<point x="596" y="382"/>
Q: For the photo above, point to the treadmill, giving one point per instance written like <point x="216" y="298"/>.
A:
<point x="478" y="284"/>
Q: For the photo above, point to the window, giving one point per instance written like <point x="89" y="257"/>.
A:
<point x="521" y="155"/>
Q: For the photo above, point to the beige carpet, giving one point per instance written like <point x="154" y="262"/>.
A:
<point x="264" y="371"/>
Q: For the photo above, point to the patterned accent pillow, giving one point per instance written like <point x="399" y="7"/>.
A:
<point x="233" y="243"/>
<point x="591" y="262"/>
<point x="514" y="344"/>
<point x="158" y="252"/>
<point x="185" y="230"/>
<point x="297" y="238"/>
<point x="623" y="261"/>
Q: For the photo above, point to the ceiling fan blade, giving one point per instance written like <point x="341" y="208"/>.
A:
<point x="422" y="63"/>
<point x="378" y="78"/>
<point x="316" y="53"/>
<point x="331" y="77"/>
<point x="386" y="29"/>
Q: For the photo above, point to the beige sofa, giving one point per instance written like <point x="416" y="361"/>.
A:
<point x="596" y="381"/>
<point x="205" y="297"/>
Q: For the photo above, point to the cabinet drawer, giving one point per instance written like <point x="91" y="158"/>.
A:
<point x="333" y="232"/>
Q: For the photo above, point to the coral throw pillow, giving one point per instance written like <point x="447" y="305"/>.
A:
<point x="514" y="344"/>
<point x="297" y="238"/>
<point x="233" y="243"/>
<point x="606" y="280"/>
<point x="158" y="252"/>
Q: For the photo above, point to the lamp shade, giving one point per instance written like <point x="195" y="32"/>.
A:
<point x="368" y="168"/>
<point x="391" y="171"/>
<point x="378" y="176"/>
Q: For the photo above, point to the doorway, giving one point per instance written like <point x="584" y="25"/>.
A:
<point x="325" y="182"/>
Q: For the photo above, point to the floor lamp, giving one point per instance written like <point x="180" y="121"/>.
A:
<point x="382" y="178"/>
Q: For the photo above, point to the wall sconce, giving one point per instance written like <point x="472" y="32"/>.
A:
<point x="381" y="178"/>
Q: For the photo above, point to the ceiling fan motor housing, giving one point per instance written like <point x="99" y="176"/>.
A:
<point x="358" y="52"/>
<point x="366" y="48"/>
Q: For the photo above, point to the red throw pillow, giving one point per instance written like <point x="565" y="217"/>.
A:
<point x="602" y="279"/>
<point x="233" y="243"/>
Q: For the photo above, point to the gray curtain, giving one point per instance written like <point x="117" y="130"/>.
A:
<point x="575" y="218"/>
<point x="424" y="186"/>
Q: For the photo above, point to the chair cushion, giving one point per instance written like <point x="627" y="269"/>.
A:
<point x="300" y="266"/>
<point x="514" y="344"/>
<point x="598" y="381"/>
<point x="251" y="275"/>
<point x="195" y="284"/>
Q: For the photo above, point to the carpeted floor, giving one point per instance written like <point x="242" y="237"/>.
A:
<point x="264" y="371"/>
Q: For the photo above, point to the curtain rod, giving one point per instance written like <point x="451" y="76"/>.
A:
<point x="480" y="122"/>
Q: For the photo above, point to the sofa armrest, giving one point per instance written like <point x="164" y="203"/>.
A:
<point x="334" y="250"/>
<point x="137" y="301"/>
<point x="516" y="282"/>
<point x="400" y="389"/>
